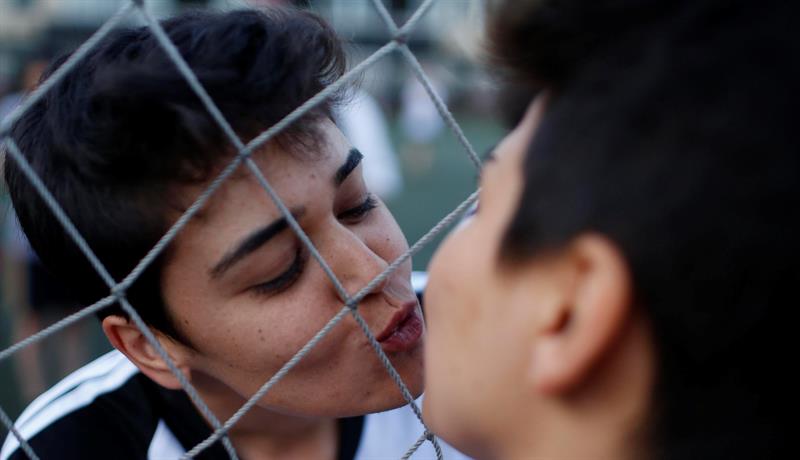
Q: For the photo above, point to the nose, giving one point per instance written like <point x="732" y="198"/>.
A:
<point x="354" y="263"/>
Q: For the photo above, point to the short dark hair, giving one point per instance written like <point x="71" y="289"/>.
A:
<point x="671" y="129"/>
<point x="123" y="127"/>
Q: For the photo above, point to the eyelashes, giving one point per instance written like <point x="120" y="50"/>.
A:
<point x="287" y="278"/>
<point x="361" y="210"/>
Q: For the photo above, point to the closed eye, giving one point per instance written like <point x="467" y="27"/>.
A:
<point x="359" y="211"/>
<point x="285" y="279"/>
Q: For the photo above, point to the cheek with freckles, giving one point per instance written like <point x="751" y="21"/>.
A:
<point x="386" y="239"/>
<point x="264" y="334"/>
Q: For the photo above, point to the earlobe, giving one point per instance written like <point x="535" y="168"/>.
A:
<point x="129" y="340"/>
<point x="593" y="304"/>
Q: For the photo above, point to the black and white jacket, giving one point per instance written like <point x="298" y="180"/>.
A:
<point x="108" y="409"/>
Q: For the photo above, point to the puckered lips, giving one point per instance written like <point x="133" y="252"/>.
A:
<point x="404" y="330"/>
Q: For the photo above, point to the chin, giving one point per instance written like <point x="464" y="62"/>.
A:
<point x="414" y="374"/>
<point x="389" y="397"/>
<point x="416" y="386"/>
<point x="411" y="367"/>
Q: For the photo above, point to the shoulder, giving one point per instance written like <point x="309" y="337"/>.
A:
<point x="390" y="434"/>
<point x="96" y="408"/>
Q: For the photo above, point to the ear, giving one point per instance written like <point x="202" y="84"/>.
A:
<point x="588" y="310"/>
<point x="126" y="337"/>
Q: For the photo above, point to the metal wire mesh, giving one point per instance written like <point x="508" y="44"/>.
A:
<point x="118" y="289"/>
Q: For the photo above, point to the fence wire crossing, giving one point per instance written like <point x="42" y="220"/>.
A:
<point x="118" y="289"/>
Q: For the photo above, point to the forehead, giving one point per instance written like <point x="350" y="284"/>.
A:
<point x="301" y="175"/>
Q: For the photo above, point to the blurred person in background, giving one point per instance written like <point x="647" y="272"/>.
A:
<point x="35" y="298"/>
<point x="626" y="288"/>
<point x="26" y="82"/>
<point x="420" y="121"/>
<point x="363" y="121"/>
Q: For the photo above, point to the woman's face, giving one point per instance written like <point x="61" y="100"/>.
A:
<point x="246" y="293"/>
<point x="471" y="357"/>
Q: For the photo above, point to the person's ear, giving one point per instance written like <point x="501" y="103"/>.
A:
<point x="587" y="310"/>
<point x="126" y="337"/>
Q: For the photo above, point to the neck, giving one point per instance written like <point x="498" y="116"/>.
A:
<point x="580" y="440"/>
<point x="262" y="434"/>
<point x="312" y="439"/>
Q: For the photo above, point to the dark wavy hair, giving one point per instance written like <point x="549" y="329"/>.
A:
<point x="671" y="129"/>
<point x="113" y="137"/>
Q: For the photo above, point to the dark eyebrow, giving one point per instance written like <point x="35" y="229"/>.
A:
<point x="250" y="243"/>
<point x="354" y="157"/>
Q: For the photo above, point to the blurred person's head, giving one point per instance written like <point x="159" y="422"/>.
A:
<point x="125" y="146"/>
<point x="23" y="82"/>
<point x="625" y="288"/>
<point x="31" y="73"/>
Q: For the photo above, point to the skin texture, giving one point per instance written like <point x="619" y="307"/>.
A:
<point x="540" y="358"/>
<point x="241" y="336"/>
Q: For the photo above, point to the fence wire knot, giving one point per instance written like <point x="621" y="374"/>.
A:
<point x="401" y="38"/>
<point x="118" y="291"/>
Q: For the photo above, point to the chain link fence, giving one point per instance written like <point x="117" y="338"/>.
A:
<point x="118" y="288"/>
